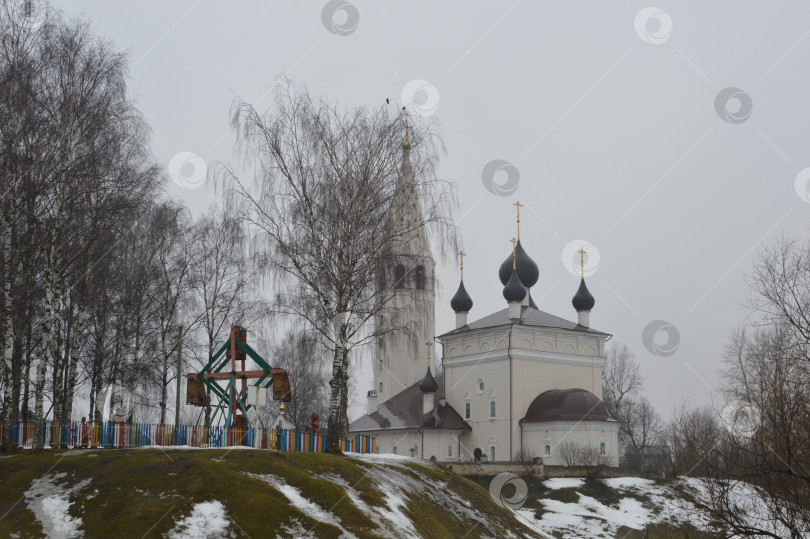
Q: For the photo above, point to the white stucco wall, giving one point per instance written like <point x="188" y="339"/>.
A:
<point x="541" y="359"/>
<point x="443" y="444"/>
<point x="536" y="436"/>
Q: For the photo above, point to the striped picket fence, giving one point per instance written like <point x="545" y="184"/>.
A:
<point x="129" y="435"/>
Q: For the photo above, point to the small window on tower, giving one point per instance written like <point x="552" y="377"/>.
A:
<point x="491" y="408"/>
<point x="466" y="410"/>
<point x="480" y="385"/>
<point x="602" y="448"/>
<point x="399" y="276"/>
<point x="449" y="450"/>
<point x="394" y="449"/>
<point x="420" y="277"/>
<point x="547" y="450"/>
<point x="380" y="387"/>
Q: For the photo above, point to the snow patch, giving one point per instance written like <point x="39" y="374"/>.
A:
<point x="628" y="482"/>
<point x="50" y="503"/>
<point x="382" y="458"/>
<point x="298" y="501"/>
<point x="563" y="482"/>
<point x="206" y="521"/>
<point x="296" y="529"/>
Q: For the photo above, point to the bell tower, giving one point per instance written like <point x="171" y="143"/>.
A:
<point x="408" y="278"/>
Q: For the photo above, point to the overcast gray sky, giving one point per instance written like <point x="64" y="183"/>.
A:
<point x="614" y="117"/>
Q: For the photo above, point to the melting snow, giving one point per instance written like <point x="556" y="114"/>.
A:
<point x="307" y="507"/>
<point x="206" y="521"/>
<point x="564" y="482"/>
<point x="50" y="503"/>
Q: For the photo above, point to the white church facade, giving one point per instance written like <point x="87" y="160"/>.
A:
<point x="510" y="386"/>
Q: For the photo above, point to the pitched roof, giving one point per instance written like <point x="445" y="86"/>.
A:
<point x="404" y="411"/>
<point x="529" y="317"/>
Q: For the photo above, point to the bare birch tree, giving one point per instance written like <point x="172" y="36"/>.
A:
<point x="325" y="178"/>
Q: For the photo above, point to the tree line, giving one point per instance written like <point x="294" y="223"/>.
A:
<point x="104" y="275"/>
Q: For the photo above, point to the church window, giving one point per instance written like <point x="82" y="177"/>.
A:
<point x="480" y="385"/>
<point x="492" y="453"/>
<point x="491" y="408"/>
<point x="449" y="450"/>
<point x="602" y="448"/>
<point x="394" y="449"/>
<point x="399" y="276"/>
<point x="547" y="450"/>
<point x="466" y="410"/>
<point x="420" y="277"/>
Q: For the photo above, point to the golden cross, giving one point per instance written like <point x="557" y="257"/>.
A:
<point x="461" y="256"/>
<point x="429" y="344"/>
<point x="514" y="253"/>
<point x="518" y="205"/>
<point x="582" y="261"/>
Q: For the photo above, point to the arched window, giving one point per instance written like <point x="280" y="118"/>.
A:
<point x="420" y="277"/>
<point x="548" y="450"/>
<point x="491" y="408"/>
<point x="466" y="410"/>
<point x="399" y="276"/>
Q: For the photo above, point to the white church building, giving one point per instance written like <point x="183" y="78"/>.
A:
<point x="510" y="386"/>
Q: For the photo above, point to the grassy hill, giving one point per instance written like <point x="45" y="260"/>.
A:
<point x="240" y="493"/>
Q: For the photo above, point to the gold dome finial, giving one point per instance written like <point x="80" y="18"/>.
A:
<point x="461" y="256"/>
<point x="518" y="205"/>
<point x="429" y="344"/>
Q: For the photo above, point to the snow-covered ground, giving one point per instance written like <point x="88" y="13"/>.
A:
<point x="642" y="502"/>
<point x="49" y="499"/>
<point x="207" y="520"/>
<point x="306" y="506"/>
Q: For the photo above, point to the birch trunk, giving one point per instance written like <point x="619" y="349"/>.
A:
<point x="47" y="348"/>
<point x="8" y="335"/>
<point x="26" y="415"/>
<point x="74" y="361"/>
<point x="333" y="427"/>
<point x="163" y="377"/>
<point x="337" y="419"/>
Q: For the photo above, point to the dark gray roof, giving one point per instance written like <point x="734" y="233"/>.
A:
<point x="404" y="411"/>
<point x="574" y="404"/>
<point x="529" y="317"/>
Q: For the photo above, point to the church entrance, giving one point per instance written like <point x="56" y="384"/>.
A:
<point x="477" y="454"/>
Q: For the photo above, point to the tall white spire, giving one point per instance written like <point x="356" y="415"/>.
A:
<point x="410" y="272"/>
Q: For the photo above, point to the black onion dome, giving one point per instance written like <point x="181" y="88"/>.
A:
<point x="583" y="300"/>
<point x="527" y="270"/>
<point x="428" y="383"/>
<point x="461" y="302"/>
<point x="514" y="291"/>
<point x="532" y="304"/>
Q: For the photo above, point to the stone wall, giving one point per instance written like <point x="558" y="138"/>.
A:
<point x="485" y="469"/>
